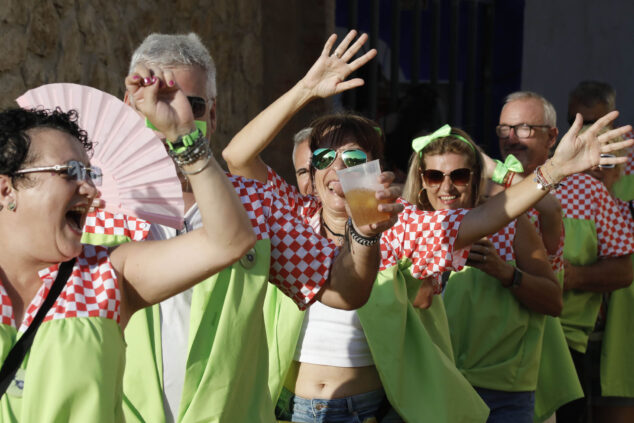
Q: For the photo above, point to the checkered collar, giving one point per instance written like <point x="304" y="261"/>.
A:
<point x="91" y="291"/>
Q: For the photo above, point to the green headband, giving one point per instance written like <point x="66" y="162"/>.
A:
<point x="418" y="144"/>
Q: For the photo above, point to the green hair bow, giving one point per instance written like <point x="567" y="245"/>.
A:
<point x="418" y="144"/>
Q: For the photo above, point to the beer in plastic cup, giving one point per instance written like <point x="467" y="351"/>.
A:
<point x="359" y="184"/>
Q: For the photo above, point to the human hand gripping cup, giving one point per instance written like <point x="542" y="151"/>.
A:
<point x="370" y="198"/>
<point x="359" y="184"/>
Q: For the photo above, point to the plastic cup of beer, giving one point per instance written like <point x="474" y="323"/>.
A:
<point x="359" y="184"/>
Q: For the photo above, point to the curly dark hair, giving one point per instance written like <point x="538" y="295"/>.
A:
<point x="15" y="141"/>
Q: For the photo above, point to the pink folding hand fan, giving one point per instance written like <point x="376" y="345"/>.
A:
<point x="139" y="178"/>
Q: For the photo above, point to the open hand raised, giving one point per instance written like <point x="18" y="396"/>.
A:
<point x="328" y="74"/>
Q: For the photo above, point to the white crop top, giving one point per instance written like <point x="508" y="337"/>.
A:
<point x="332" y="337"/>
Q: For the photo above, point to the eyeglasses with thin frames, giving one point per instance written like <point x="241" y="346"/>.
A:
<point x="73" y="169"/>
<point x="522" y="130"/>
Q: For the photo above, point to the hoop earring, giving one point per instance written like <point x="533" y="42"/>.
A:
<point x="420" y="201"/>
<point x="11" y="206"/>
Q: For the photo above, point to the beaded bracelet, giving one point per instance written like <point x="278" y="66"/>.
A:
<point x="360" y="239"/>
<point x="188" y="148"/>
<point x="542" y="181"/>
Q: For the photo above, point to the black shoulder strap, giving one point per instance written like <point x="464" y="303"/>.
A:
<point x="19" y="350"/>
<point x="631" y="204"/>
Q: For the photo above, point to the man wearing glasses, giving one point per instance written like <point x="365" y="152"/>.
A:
<point x="202" y="355"/>
<point x="598" y="242"/>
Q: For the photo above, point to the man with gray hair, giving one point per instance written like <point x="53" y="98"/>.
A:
<point x="202" y="355"/>
<point x="598" y="242"/>
<point x="301" y="160"/>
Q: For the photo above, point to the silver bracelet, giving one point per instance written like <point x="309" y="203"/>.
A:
<point x="201" y="168"/>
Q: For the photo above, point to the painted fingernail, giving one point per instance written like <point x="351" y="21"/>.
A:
<point x="171" y="83"/>
<point x="147" y="81"/>
<point x="135" y="77"/>
<point x="154" y="79"/>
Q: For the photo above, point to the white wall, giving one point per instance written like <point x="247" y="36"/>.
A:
<point x="566" y="41"/>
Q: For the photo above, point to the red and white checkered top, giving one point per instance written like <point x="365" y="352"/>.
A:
<point x="305" y="205"/>
<point x="91" y="291"/>
<point x="425" y="238"/>
<point x="626" y="212"/>
<point x="503" y="241"/>
<point x="300" y="259"/>
<point x="105" y="223"/>
<point x="556" y="260"/>
<point x="585" y="198"/>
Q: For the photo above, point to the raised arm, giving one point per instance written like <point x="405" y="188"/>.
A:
<point x="575" y="153"/>
<point x="152" y="271"/>
<point x="325" y="78"/>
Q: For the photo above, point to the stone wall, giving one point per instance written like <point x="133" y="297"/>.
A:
<point x="261" y="47"/>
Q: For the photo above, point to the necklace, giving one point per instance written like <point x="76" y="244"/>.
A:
<point x="330" y="230"/>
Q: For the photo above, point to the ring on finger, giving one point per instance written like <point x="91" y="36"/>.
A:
<point x="337" y="55"/>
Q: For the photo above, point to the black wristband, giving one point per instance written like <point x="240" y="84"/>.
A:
<point x="360" y="239"/>
<point x="516" y="280"/>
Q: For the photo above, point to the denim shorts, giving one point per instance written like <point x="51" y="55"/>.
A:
<point x="370" y="406"/>
<point x="516" y="407"/>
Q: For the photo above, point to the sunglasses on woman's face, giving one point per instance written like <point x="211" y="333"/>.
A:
<point x="324" y="157"/>
<point x="459" y="177"/>
<point x="199" y="105"/>
<point x="72" y="169"/>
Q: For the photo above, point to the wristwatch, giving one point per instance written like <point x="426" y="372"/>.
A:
<point x="516" y="280"/>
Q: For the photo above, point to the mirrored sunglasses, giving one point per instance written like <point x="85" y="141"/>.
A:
<point x="459" y="177"/>
<point x="73" y="169"/>
<point x="199" y="106"/>
<point x="324" y="157"/>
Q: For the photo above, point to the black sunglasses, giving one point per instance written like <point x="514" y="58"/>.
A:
<point x="324" y="157"/>
<point x="199" y="105"/>
<point x="459" y="177"/>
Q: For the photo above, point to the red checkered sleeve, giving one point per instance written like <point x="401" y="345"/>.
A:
<point x="613" y="232"/>
<point x="300" y="259"/>
<point x="426" y="239"/>
<point x="305" y="205"/>
<point x="103" y="222"/>
<point x="556" y="260"/>
<point x="585" y="198"/>
<point x="626" y="208"/>
<point x="503" y="241"/>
